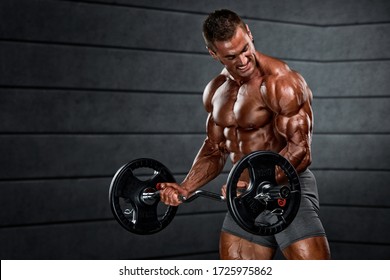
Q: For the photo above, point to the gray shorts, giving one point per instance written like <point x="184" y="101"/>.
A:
<point x="306" y="224"/>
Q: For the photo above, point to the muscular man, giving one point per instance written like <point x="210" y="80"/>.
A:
<point x="255" y="103"/>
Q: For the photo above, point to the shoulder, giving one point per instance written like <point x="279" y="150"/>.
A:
<point x="210" y="89"/>
<point x="272" y="66"/>
<point x="284" y="90"/>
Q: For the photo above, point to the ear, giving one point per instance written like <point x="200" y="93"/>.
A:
<point x="249" y="32"/>
<point x="212" y="53"/>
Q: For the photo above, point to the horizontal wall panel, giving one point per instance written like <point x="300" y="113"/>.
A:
<point x="107" y="240"/>
<point x="41" y="111"/>
<point x="78" y="23"/>
<point x="351" y="115"/>
<point x="48" y="156"/>
<point x="44" y="156"/>
<point x="308" y="43"/>
<point x="353" y="251"/>
<point x="306" y="11"/>
<point x="25" y="111"/>
<point x="356" y="224"/>
<point x="356" y="42"/>
<point x="66" y="22"/>
<point x="49" y="201"/>
<point x="36" y="65"/>
<point x="361" y="188"/>
<point x="76" y="200"/>
<point x="342" y="79"/>
<point x="370" y="152"/>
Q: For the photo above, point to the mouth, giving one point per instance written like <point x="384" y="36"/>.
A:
<point x="244" y="68"/>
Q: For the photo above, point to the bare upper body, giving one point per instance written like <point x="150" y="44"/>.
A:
<point x="271" y="111"/>
<point x="255" y="103"/>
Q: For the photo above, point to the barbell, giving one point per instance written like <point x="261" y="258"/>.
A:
<point x="263" y="208"/>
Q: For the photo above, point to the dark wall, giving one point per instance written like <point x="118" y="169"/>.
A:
<point x="86" y="86"/>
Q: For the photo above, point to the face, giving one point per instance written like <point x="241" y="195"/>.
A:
<point x="237" y="54"/>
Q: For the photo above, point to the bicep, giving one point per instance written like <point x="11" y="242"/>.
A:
<point x="289" y="98"/>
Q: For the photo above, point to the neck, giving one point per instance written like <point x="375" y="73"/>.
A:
<point x="242" y="80"/>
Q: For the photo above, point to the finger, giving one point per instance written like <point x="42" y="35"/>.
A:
<point x="172" y="194"/>
<point x="169" y="196"/>
<point x="168" y="185"/>
<point x="179" y="189"/>
<point x="164" y="195"/>
<point x="175" y="186"/>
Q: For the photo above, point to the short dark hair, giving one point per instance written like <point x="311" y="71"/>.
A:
<point x="221" y="25"/>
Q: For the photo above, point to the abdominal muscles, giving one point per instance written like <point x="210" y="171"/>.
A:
<point x="240" y="142"/>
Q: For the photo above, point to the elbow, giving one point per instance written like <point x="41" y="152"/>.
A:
<point x="305" y="160"/>
<point x="299" y="157"/>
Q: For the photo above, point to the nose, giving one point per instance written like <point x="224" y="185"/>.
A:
<point x="242" y="59"/>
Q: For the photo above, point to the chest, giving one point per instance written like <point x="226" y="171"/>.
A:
<point x="240" y="106"/>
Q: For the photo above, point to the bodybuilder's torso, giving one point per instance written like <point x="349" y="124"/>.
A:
<point x="246" y="121"/>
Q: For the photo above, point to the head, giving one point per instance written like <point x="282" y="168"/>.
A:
<point x="229" y="40"/>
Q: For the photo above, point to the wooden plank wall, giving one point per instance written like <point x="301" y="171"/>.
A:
<point x="89" y="85"/>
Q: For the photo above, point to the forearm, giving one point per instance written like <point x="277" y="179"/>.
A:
<point x="298" y="156"/>
<point x="207" y="165"/>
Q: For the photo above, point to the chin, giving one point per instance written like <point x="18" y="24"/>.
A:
<point x="247" y="73"/>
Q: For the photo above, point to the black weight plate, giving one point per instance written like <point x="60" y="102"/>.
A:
<point x="252" y="214"/>
<point x="126" y="189"/>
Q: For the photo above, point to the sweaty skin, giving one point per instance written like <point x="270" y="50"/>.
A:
<point x="255" y="103"/>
